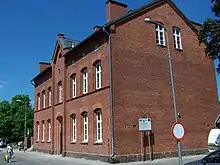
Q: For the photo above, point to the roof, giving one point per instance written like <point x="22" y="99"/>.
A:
<point x="68" y="43"/>
<point x="73" y="44"/>
<point x="148" y="6"/>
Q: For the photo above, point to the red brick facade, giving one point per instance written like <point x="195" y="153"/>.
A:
<point x="140" y="88"/>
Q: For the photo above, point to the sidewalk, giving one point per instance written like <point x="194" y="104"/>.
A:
<point x="57" y="160"/>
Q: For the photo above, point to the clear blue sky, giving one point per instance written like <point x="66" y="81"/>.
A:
<point x="29" y="31"/>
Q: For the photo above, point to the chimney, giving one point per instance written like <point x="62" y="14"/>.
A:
<point x="43" y="66"/>
<point x="60" y="35"/>
<point x="96" y="27"/>
<point x="115" y="9"/>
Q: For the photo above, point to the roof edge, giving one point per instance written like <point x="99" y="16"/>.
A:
<point x="45" y="63"/>
<point x="116" y="2"/>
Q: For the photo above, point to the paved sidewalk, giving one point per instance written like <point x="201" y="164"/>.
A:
<point x="42" y="158"/>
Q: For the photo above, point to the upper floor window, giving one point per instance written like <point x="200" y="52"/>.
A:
<point x="38" y="101"/>
<point x="98" y="76"/>
<point x="44" y="99"/>
<point x="98" y="126"/>
<point x="74" y="86"/>
<point x="85" y="127"/>
<point x="60" y="88"/>
<point x="177" y="38"/>
<point x="50" y="97"/>
<point x="160" y="36"/>
<point x="85" y="82"/>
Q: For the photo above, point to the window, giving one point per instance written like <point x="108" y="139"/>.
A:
<point x="49" y="131"/>
<point x="98" y="126"/>
<point x="74" y="129"/>
<point x="38" y="132"/>
<point x="74" y="86"/>
<point x="44" y="99"/>
<point x="177" y="38"/>
<point x="43" y="131"/>
<point x="85" y="82"/>
<point x="50" y="97"/>
<point x="38" y="101"/>
<point x="160" y="37"/>
<point x="60" y="92"/>
<point x="85" y="127"/>
<point x="98" y="76"/>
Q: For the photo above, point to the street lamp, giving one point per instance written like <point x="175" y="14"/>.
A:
<point x="24" y="123"/>
<point x="149" y="20"/>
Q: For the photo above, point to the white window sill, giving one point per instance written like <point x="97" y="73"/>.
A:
<point x="98" y="142"/>
<point x="73" y="142"/>
<point x="84" y="142"/>
<point x="42" y="141"/>
<point x="48" y="141"/>
<point x="37" y="141"/>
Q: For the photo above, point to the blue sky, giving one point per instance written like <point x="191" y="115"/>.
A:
<point x="29" y="31"/>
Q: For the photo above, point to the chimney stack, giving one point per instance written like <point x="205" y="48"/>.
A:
<point x="96" y="27"/>
<point x="115" y="9"/>
<point x="43" y="66"/>
<point x="60" y="35"/>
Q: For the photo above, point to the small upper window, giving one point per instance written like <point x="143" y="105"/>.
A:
<point x="44" y="99"/>
<point x="177" y="38"/>
<point x="98" y="76"/>
<point x="38" y="101"/>
<point x="85" y="82"/>
<point x="160" y="36"/>
<point x="74" y="86"/>
<point x="60" y="91"/>
<point x="50" y="97"/>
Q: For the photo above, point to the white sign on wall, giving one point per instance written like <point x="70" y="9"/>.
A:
<point x="145" y="124"/>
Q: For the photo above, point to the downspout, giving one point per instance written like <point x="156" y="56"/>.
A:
<point x="52" y="108"/>
<point x="64" y="104"/>
<point x="111" y="90"/>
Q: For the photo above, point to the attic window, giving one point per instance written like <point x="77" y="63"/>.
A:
<point x="60" y="55"/>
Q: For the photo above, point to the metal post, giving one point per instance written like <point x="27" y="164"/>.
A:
<point x="174" y="98"/>
<point x="24" y="128"/>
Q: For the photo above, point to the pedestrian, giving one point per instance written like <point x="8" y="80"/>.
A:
<point x="9" y="152"/>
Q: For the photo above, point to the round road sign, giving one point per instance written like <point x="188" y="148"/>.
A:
<point x="178" y="131"/>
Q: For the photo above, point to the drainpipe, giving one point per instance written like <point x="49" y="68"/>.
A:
<point x="111" y="90"/>
<point x="64" y="114"/>
<point x="52" y="108"/>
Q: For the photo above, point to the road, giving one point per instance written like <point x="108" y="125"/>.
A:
<point x="34" y="158"/>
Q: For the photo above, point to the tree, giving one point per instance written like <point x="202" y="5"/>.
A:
<point x="210" y="34"/>
<point x="12" y="118"/>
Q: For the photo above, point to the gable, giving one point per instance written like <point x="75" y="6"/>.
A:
<point x="63" y="44"/>
<point x="148" y="7"/>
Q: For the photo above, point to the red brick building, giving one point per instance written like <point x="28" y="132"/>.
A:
<point x="89" y="98"/>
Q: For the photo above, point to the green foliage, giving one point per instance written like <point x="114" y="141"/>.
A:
<point x="210" y="33"/>
<point x="12" y="118"/>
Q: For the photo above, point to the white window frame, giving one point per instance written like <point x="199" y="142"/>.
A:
<point x="43" y="132"/>
<point x="74" y="128"/>
<point x="49" y="131"/>
<point x="44" y="99"/>
<point x="85" y="128"/>
<point x="38" y="132"/>
<point x="98" y="126"/>
<point x="74" y="86"/>
<point x="60" y="93"/>
<point x="158" y="32"/>
<point x="98" y="74"/>
<point x="50" y="97"/>
<point x="85" y="82"/>
<point x="175" y="37"/>
<point x="38" y="102"/>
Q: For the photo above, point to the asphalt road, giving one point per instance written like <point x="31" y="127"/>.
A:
<point x="34" y="158"/>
